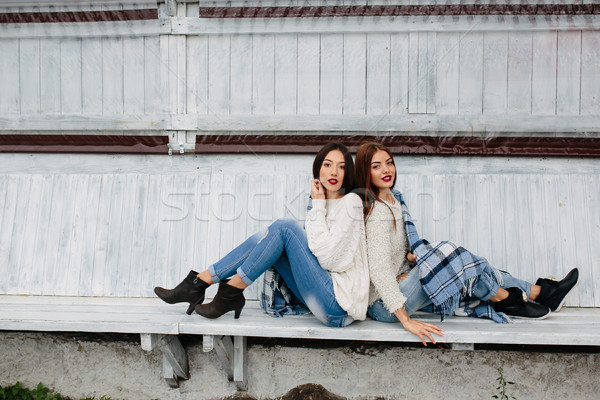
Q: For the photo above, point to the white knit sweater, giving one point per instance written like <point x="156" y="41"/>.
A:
<point x="336" y="236"/>
<point x="386" y="250"/>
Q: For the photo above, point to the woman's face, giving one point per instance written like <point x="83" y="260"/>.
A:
<point x="383" y="170"/>
<point x="331" y="174"/>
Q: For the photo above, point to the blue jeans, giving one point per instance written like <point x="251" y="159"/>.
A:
<point x="416" y="298"/>
<point x="284" y="246"/>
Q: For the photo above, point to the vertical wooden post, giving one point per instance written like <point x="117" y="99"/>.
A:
<point x="240" y="362"/>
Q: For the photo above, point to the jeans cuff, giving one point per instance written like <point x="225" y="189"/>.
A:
<point x="244" y="277"/>
<point x="213" y="274"/>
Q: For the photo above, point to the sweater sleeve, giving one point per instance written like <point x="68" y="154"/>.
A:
<point x="380" y="227"/>
<point x="336" y="244"/>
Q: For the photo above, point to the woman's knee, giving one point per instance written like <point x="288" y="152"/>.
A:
<point x="284" y="224"/>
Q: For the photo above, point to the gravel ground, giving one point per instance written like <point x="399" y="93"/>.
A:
<point x="85" y="365"/>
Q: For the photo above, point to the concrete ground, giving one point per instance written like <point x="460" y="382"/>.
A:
<point x="83" y="365"/>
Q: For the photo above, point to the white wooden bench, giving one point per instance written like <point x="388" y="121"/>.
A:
<point x="159" y="324"/>
<point x="85" y="238"/>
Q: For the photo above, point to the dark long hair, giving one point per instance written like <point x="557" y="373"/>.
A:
<point x="362" y="175"/>
<point x="348" y="182"/>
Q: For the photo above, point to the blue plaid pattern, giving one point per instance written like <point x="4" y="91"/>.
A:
<point x="448" y="272"/>
<point x="277" y="299"/>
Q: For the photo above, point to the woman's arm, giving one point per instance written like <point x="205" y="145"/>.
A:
<point x="380" y="253"/>
<point x="335" y="246"/>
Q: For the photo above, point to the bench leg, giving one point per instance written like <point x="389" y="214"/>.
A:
<point x="175" y="360"/>
<point x="240" y="361"/>
<point x="233" y="356"/>
<point x="462" y="346"/>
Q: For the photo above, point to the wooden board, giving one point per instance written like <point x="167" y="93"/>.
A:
<point x="572" y="326"/>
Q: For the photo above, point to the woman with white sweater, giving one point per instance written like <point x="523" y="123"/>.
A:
<point x="446" y="273"/>
<point x="324" y="266"/>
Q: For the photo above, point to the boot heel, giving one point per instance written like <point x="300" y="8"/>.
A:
<point x="228" y="298"/>
<point x="192" y="306"/>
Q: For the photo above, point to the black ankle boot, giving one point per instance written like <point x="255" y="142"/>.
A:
<point x="516" y="305"/>
<point x="554" y="293"/>
<point x="227" y="298"/>
<point x="190" y="290"/>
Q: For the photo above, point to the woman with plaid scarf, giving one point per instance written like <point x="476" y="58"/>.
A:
<point x="446" y="275"/>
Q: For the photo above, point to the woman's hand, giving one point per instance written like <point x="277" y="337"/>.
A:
<point x="401" y="277"/>
<point x="411" y="257"/>
<point x="421" y="329"/>
<point x="317" y="191"/>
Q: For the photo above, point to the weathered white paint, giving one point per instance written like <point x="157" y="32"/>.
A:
<point x="93" y="225"/>
<point x="495" y="72"/>
<point x="83" y="29"/>
<point x="462" y="23"/>
<point x="317" y="81"/>
<point x="271" y="3"/>
<point x="153" y="316"/>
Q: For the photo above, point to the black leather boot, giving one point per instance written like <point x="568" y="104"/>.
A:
<point x="554" y="293"/>
<point x="190" y="290"/>
<point x="227" y="298"/>
<point x="516" y="305"/>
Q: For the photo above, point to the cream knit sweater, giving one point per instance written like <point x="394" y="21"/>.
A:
<point x="336" y="236"/>
<point x="386" y="250"/>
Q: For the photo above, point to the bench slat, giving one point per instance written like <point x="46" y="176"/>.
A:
<point x="572" y="326"/>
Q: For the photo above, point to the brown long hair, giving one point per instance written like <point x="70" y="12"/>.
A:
<point x="362" y="175"/>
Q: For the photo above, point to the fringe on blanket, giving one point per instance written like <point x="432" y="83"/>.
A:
<point x="482" y="309"/>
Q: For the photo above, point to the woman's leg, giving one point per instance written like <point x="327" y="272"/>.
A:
<point x="511" y="301"/>
<point x="509" y="281"/>
<point x="305" y="277"/>
<point x="416" y="298"/>
<point x="226" y="266"/>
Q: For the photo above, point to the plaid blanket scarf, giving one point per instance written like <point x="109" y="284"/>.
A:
<point x="448" y="272"/>
<point x="277" y="299"/>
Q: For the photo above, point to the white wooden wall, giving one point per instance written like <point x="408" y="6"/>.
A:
<point x="95" y="225"/>
<point x="181" y="73"/>
<point x="100" y="225"/>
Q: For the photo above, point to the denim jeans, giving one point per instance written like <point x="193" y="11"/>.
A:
<point x="416" y="298"/>
<point x="486" y="287"/>
<point x="285" y="247"/>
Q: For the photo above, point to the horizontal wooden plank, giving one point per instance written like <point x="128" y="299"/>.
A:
<point x="79" y="122"/>
<point x="572" y="326"/>
<point x="447" y="23"/>
<point x="422" y="123"/>
<point x="63" y="3"/>
<point x="379" y="10"/>
<point x="271" y="3"/>
<point x="283" y="144"/>
<point x="78" y="16"/>
<point x="84" y="144"/>
<point x="150" y="27"/>
<point x="488" y="124"/>
<point x="291" y="3"/>
<point x="405" y="144"/>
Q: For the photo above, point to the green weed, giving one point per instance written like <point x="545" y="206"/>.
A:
<point x="18" y="392"/>
<point x="503" y="384"/>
